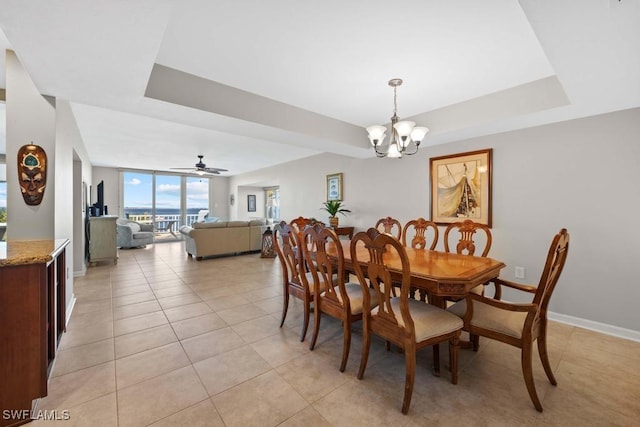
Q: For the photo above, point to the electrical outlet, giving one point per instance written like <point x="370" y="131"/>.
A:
<point x="519" y="272"/>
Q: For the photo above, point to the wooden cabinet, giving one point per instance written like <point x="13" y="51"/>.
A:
<point x="102" y="239"/>
<point x="32" y="320"/>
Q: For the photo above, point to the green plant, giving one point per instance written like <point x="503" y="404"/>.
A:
<point x="334" y="207"/>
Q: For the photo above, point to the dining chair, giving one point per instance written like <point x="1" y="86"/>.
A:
<point x="408" y="323"/>
<point x="466" y="231"/>
<point x="390" y="226"/>
<point x="296" y="280"/>
<point x="519" y="324"/>
<point x="299" y="224"/>
<point x="467" y="242"/>
<point x="333" y="296"/>
<point x="418" y="233"/>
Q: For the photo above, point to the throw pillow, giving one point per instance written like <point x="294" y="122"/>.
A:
<point x="134" y="226"/>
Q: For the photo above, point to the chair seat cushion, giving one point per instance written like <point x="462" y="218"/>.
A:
<point x="354" y="292"/>
<point x="492" y="318"/>
<point x="311" y="282"/>
<point x="429" y="321"/>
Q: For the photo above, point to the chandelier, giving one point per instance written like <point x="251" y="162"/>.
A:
<point x="405" y="135"/>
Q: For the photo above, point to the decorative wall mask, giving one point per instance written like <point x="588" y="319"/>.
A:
<point x="32" y="173"/>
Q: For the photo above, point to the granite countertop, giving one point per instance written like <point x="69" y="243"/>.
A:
<point x="20" y="252"/>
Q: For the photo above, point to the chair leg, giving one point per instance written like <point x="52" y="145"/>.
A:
<point x="346" y="345"/>
<point x="527" y="371"/>
<point x="410" y="375"/>
<point x="436" y="360"/>
<point x="285" y="307"/>
<point x="544" y="357"/>
<point x="475" y="341"/>
<point x="366" y="343"/>
<point x="454" y="346"/>
<point x="316" y="324"/>
<point x="307" y="314"/>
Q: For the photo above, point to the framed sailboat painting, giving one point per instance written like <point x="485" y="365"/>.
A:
<point x="461" y="187"/>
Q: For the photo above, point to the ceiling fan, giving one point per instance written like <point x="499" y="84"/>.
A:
<point x="201" y="169"/>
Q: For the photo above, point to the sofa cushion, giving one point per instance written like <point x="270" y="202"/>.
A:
<point x="258" y="222"/>
<point x="237" y="224"/>
<point x="209" y="225"/>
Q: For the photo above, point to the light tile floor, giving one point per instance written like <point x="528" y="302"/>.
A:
<point x="160" y="339"/>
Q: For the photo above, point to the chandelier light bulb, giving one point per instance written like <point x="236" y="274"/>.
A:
<point x="376" y="134"/>
<point x="393" y="152"/>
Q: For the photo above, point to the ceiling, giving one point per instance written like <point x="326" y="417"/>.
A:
<point x="250" y="84"/>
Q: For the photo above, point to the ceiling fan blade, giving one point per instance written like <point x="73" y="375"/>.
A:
<point x="215" y="170"/>
<point x="183" y="169"/>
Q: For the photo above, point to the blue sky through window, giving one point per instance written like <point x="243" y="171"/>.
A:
<point x="138" y="189"/>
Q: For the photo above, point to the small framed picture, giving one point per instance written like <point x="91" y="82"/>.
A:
<point x="251" y="202"/>
<point x="461" y="187"/>
<point x="334" y="186"/>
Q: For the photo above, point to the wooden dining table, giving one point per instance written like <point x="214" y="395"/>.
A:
<point x="440" y="274"/>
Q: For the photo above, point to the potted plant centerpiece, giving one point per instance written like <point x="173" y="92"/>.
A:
<point x="334" y="207"/>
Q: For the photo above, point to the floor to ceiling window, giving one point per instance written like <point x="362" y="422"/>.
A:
<point x="197" y="197"/>
<point x="167" y="201"/>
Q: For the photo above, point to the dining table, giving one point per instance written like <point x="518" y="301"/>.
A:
<point x="440" y="274"/>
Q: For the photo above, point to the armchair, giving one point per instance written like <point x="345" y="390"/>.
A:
<point x="131" y="234"/>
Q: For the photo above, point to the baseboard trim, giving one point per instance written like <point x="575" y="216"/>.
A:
<point x="604" y="328"/>
<point x="69" y="309"/>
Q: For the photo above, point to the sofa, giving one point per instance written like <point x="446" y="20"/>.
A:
<point x="223" y="238"/>
<point x="131" y="234"/>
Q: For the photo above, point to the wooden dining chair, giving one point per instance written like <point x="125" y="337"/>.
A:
<point x="408" y="323"/>
<point x="297" y="281"/>
<point x="519" y="324"/>
<point x="333" y="296"/>
<point x="466" y="231"/>
<point x="467" y="243"/>
<point x="299" y="224"/>
<point x="420" y="234"/>
<point x="416" y="233"/>
<point x="390" y="226"/>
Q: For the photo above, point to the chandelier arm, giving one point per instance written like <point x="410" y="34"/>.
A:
<point x="379" y="153"/>
<point x="414" y="152"/>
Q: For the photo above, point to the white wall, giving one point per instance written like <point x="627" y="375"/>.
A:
<point x="579" y="174"/>
<point x="111" y="178"/>
<point x="243" y="204"/>
<point x="73" y="167"/>
<point x="49" y="123"/>
<point x="31" y="118"/>
<point x="219" y="197"/>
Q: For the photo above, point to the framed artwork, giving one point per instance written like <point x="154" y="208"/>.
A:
<point x="251" y="202"/>
<point x="460" y="187"/>
<point x="334" y="187"/>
